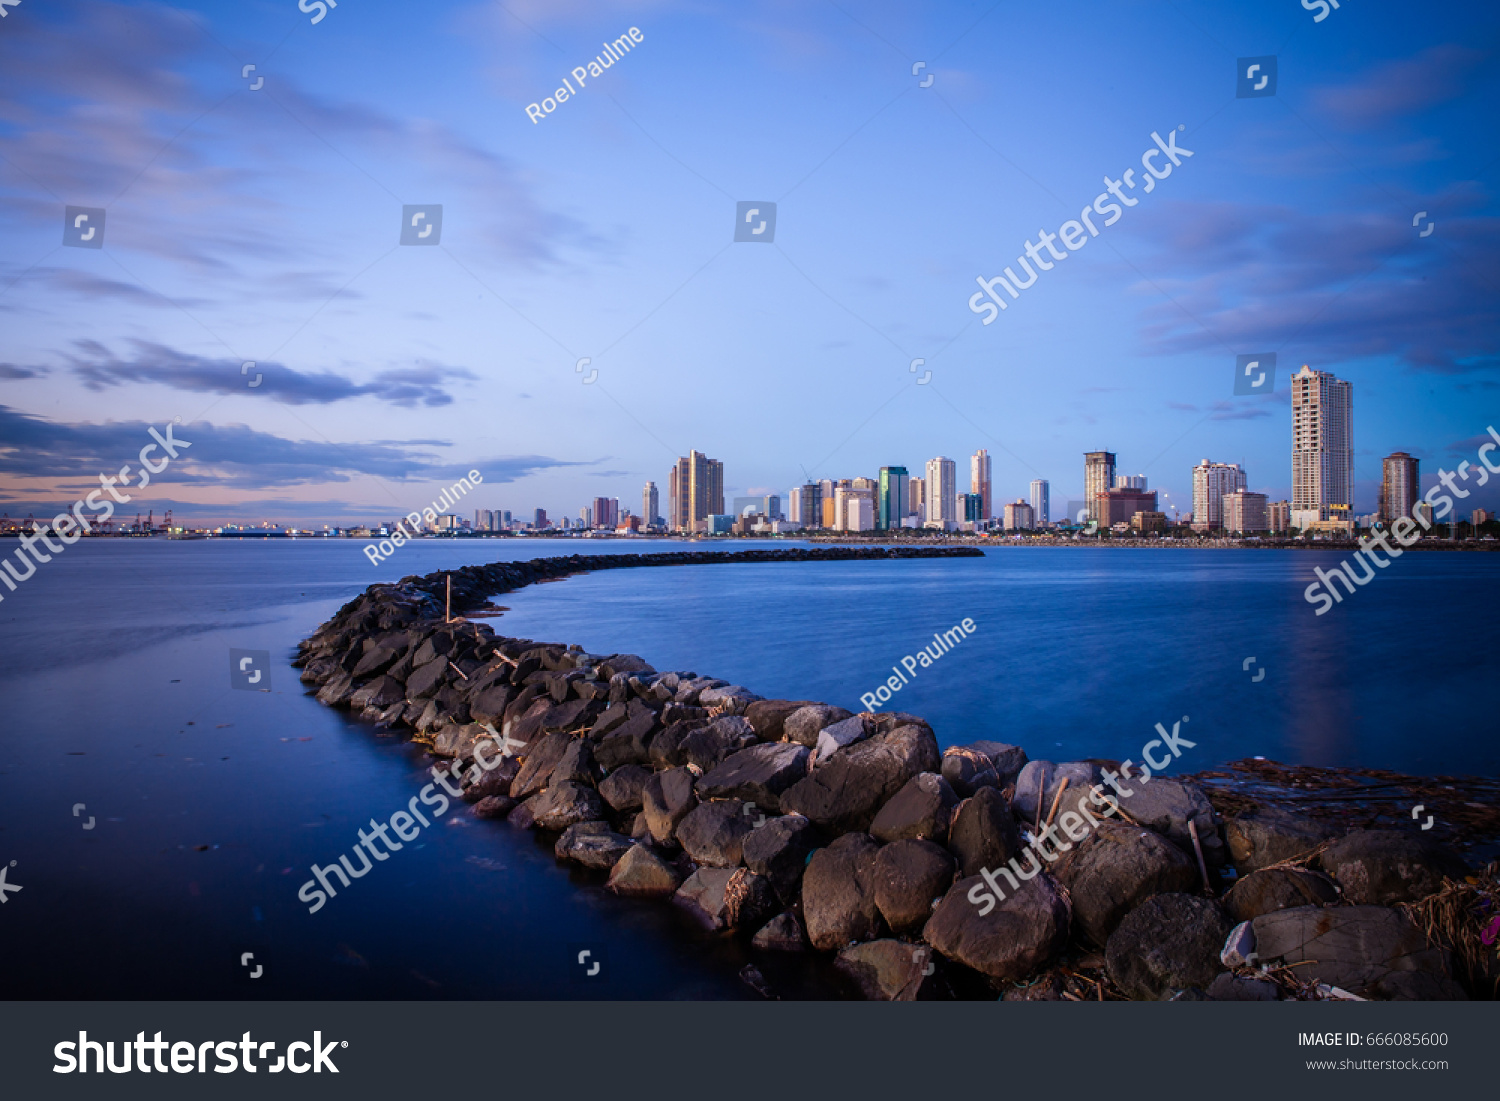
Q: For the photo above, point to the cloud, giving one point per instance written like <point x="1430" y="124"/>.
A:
<point x="9" y="371"/>
<point x="155" y="363"/>
<point x="1404" y="87"/>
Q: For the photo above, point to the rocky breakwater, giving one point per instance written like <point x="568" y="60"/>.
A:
<point x="807" y="828"/>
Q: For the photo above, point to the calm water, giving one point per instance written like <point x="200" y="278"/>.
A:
<point x="210" y="804"/>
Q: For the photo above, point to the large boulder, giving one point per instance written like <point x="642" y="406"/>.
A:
<point x="783" y="933"/>
<point x="1269" y="835"/>
<point x="457" y="740"/>
<point x="629" y="743"/>
<point x="967" y="768"/>
<point x="778" y="849"/>
<point x="489" y="705"/>
<point x="577" y="764"/>
<point x="666" y="799"/>
<point x="843" y="733"/>
<point x="1372" y="951"/>
<point x="921" y="810"/>
<point x="1040" y="781"/>
<point x="1167" y="944"/>
<point x="910" y="875"/>
<point x="983" y="833"/>
<point x="707" y="746"/>
<point x="768" y="717"/>
<point x="845" y="792"/>
<point x="1008" y="941"/>
<point x="1273" y="889"/>
<point x="892" y="971"/>
<point x="380" y="693"/>
<point x="757" y="775"/>
<point x="749" y="900"/>
<point x="481" y="784"/>
<point x="714" y="833"/>
<point x="1115" y="869"/>
<point x="642" y="873"/>
<point x="1379" y="867"/>
<point x="592" y="844"/>
<point x="426" y="679"/>
<point x="1167" y="806"/>
<point x="805" y="723"/>
<point x="701" y="897"/>
<point x="542" y="757"/>
<point x="838" y="893"/>
<point x="564" y="804"/>
<point x="622" y="789"/>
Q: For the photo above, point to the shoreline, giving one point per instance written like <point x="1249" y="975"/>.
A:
<point x="807" y="828"/>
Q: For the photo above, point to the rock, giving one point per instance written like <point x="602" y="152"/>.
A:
<point x="1043" y="779"/>
<point x="1115" y="870"/>
<point x="592" y="844"/>
<point x="805" y="723"/>
<point x="577" y="764"/>
<point x="622" y="788"/>
<point x="845" y="792"/>
<point x="426" y="678"/>
<point x="782" y="933"/>
<point x="920" y="810"/>
<point x="642" y="873"/>
<point x="493" y="806"/>
<point x="564" y="804"/>
<point x="909" y="876"/>
<point x="1167" y="943"/>
<point x="709" y="745"/>
<point x="749" y="900"/>
<point x="458" y="741"/>
<point x="1278" y="889"/>
<point x="713" y="833"/>
<point x="380" y="693"/>
<point x="833" y="738"/>
<point x="1353" y="947"/>
<point x="623" y="663"/>
<point x="702" y="897"/>
<point x="734" y="696"/>
<point x="1268" y="835"/>
<point x="768" y="717"/>
<point x="778" y="850"/>
<point x="756" y="775"/>
<point x="627" y="744"/>
<point x="967" y="768"/>
<point x="838" y="893"/>
<point x="435" y="647"/>
<point x="1167" y="806"/>
<point x="613" y="716"/>
<point x="1229" y="987"/>
<point x="1379" y="867"/>
<point x="666" y="799"/>
<point x="1012" y="939"/>
<point x="1239" y="946"/>
<point x="497" y="781"/>
<point x="983" y="833"/>
<point x="892" y="971"/>
<point x="541" y="759"/>
<point x="377" y="660"/>
<point x="489" y="706"/>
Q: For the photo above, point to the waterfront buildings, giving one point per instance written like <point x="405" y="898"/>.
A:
<point x="918" y="506"/>
<point x="942" y="491"/>
<point x="605" y="513"/>
<point x="1130" y="481"/>
<point x="1118" y="505"/>
<point x="1018" y="516"/>
<point x="1322" y="447"/>
<point x="1041" y="504"/>
<point x="651" y="504"/>
<point x="1210" y="482"/>
<point x="1098" y="477"/>
<point x="1245" y="512"/>
<point x="1146" y="523"/>
<point x="972" y="507"/>
<point x="1399" y="486"/>
<point x="695" y="492"/>
<point x="892" y="497"/>
<point x="1279" y="517"/>
<point x="979" y="483"/>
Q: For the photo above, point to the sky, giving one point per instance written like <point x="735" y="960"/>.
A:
<point x="253" y="233"/>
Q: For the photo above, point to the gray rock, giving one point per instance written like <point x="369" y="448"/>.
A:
<point x="577" y="764"/>
<point x="592" y="844"/>
<point x="1116" y="869"/>
<point x="1378" y="867"/>
<point x="892" y="971"/>
<point x="458" y="741"/>
<point x="1268" y="835"/>
<point x="749" y="900"/>
<point x="622" y="788"/>
<point x="1239" y="946"/>
<point x="489" y="706"/>
<point x="540" y="759"/>
<point x="1042" y="780"/>
<point x="628" y="743"/>
<point x="778" y="850"/>
<point x="1229" y="987"/>
<point x="768" y="717"/>
<point x="967" y="768"/>
<point x="1353" y="947"/>
<point x="845" y="792"/>
<point x="380" y="693"/>
<point x="1167" y="806"/>
<point x="426" y="679"/>
<point x="702" y="897"/>
<point x="642" y="873"/>
<point x="1166" y="944"/>
<point x="565" y="804"/>
<point x="783" y="933"/>
<point x="835" y="737"/>
<point x="838" y="893"/>
<point x="481" y="784"/>
<point x="666" y="799"/>
<point x="921" y="810"/>
<point x="910" y="875"/>
<point x="983" y="833"/>
<point x="493" y="806"/>
<point x="805" y="723"/>
<point x="708" y="746"/>
<point x="1274" y="889"/>
<point x="1009" y="941"/>
<point x="757" y="775"/>
<point x="714" y="833"/>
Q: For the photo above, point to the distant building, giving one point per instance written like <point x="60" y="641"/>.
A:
<point x="540" y="520"/>
<point x="892" y="497"/>
<point x="1245" y="512"/>
<point x="651" y="504"/>
<point x="1041" y="504"/>
<point x="695" y="492"/>
<point x="1117" y="506"/>
<point x="942" y="491"/>
<point x="1098" y="477"/>
<point x="831" y="508"/>
<point x="1210" y="482"/>
<point x="606" y="512"/>
<point x="1019" y="517"/>
<point x="1130" y="481"/>
<point x="859" y="511"/>
<point x="718" y="524"/>
<point x="844" y="508"/>
<point x="1279" y="517"/>
<point x="1322" y="443"/>
<point x="917" y="488"/>
<point x="1482" y="516"/>
<point x="1399" y="486"/>
<point x="807" y="505"/>
<point x="973" y="508"/>
<point x="1148" y="522"/>
<point x="979" y="483"/>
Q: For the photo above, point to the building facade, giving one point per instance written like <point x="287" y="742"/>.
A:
<point x="1098" y="477"/>
<point x="1279" y="517"/>
<point x="1210" y="482"/>
<point x="1400" y="486"/>
<point x="892" y="497"/>
<point x="1322" y="444"/>
<point x="695" y="492"/>
<point x="651" y="504"/>
<point x="979" y="482"/>
<point x="1117" y="506"/>
<point x="1019" y="517"/>
<point x="1041" y="503"/>
<point x="1246" y="512"/>
<point x="918" y="503"/>
<point x="942" y="491"/>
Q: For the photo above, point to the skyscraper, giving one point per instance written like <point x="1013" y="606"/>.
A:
<point x="1098" y="477"/>
<point x="1130" y="481"/>
<point x="1322" y="446"/>
<point x="807" y="505"/>
<point x="979" y="480"/>
<point x="892" y="497"/>
<point x="942" y="491"/>
<point x="918" y="492"/>
<point x="1210" y="482"/>
<point x="1041" y="504"/>
<point x="1019" y="516"/>
<point x="695" y="492"/>
<point x="606" y="512"/>
<point x="651" y="504"/>
<point x="1399" y="486"/>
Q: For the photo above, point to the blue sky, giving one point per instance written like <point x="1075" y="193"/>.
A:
<point x="262" y="225"/>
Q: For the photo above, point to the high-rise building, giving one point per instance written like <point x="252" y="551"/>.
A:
<point x="1279" y="517"/>
<point x="892" y="497"/>
<point x="1481" y="516"/>
<point x="843" y="508"/>
<point x="606" y="512"/>
<point x="1117" y="506"/>
<point x="585" y="516"/>
<point x="650" y="504"/>
<point x="695" y="492"/>
<point x="1210" y="482"/>
<point x="917" y="487"/>
<point x="807" y="505"/>
<point x="539" y="521"/>
<point x="772" y="507"/>
<point x="1130" y="481"/>
<point x="1322" y="446"/>
<point x="972" y="505"/>
<point x="1399" y="486"/>
<point x="1245" y="512"/>
<point x="859" y="510"/>
<point x="1098" y="477"/>
<point x="1041" y="504"/>
<point x="942" y="491"/>
<point x="979" y="481"/>
<point x="1019" y="516"/>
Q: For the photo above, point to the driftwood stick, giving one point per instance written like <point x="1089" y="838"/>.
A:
<point x="1056" y="799"/>
<point x="1198" y="849"/>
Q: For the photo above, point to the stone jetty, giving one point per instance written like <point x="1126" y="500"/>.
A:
<point x="806" y="828"/>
